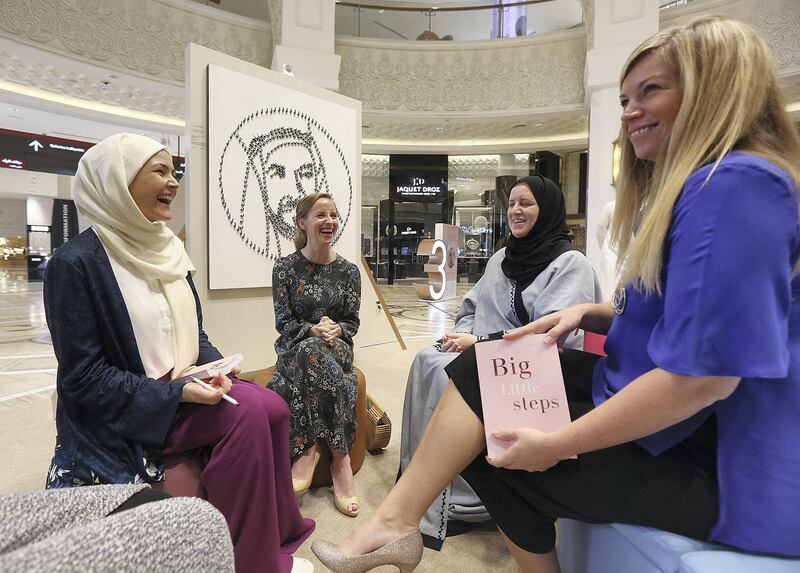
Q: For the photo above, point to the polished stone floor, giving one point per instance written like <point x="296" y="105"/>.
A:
<point x="416" y="318"/>
<point x="28" y="364"/>
<point x="27" y="428"/>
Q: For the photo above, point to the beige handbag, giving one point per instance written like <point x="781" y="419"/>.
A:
<point x="379" y="426"/>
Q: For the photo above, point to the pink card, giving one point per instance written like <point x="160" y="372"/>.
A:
<point x="521" y="387"/>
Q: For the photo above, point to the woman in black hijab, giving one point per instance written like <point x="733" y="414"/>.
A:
<point x="528" y="255"/>
<point x="540" y="271"/>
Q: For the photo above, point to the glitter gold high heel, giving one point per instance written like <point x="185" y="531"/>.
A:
<point x="405" y="553"/>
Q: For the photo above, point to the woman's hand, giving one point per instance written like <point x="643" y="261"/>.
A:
<point x="457" y="341"/>
<point x="327" y="330"/>
<point x="321" y="328"/>
<point x="194" y="393"/>
<point x="334" y="332"/>
<point x="557" y="325"/>
<point x="531" y="450"/>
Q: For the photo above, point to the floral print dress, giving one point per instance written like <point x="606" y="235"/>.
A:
<point x="316" y="379"/>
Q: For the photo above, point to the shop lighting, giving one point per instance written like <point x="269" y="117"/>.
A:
<point x="615" y="161"/>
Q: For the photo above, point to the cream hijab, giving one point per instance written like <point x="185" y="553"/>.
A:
<point x="100" y="191"/>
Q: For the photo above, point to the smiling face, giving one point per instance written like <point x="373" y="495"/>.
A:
<point x="321" y="223"/>
<point x="155" y="187"/>
<point x="651" y="96"/>
<point x="523" y="210"/>
<point x="290" y="174"/>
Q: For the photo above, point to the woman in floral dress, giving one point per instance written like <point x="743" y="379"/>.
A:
<point x="317" y="294"/>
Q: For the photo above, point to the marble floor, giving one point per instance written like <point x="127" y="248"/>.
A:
<point x="27" y="428"/>
<point x="416" y="318"/>
<point x="28" y="364"/>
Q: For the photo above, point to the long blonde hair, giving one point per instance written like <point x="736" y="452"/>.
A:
<point x="303" y="208"/>
<point x="731" y="101"/>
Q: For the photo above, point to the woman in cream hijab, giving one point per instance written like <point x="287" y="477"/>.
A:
<point x="125" y="320"/>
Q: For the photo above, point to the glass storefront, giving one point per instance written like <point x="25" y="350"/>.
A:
<point x="476" y="188"/>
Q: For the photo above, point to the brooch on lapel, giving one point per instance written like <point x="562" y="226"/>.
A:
<point x="619" y="300"/>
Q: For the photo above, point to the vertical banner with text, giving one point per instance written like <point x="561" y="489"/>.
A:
<point x="64" y="223"/>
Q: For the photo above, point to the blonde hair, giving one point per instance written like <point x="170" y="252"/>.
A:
<point x="731" y="101"/>
<point x="303" y="208"/>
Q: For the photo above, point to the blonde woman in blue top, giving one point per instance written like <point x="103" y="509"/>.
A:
<point x="690" y="424"/>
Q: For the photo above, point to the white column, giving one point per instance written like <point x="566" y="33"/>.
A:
<point x="303" y="33"/>
<point x="615" y="28"/>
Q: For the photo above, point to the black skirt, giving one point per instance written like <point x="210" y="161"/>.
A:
<point x="675" y="491"/>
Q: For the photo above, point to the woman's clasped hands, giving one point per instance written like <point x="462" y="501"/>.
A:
<point x="327" y="330"/>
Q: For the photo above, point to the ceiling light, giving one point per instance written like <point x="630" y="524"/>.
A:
<point x="14" y="88"/>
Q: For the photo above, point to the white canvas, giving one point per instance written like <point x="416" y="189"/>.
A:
<point x="270" y="143"/>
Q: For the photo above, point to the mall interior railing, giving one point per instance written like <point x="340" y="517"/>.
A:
<point x="490" y="20"/>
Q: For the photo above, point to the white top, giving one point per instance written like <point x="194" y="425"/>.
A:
<point x="607" y="266"/>
<point x="150" y="317"/>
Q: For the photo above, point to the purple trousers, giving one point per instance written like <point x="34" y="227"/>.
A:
<point x="248" y="477"/>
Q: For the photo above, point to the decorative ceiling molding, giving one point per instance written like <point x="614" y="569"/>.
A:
<point x="495" y="96"/>
<point x="465" y="166"/>
<point x="146" y="38"/>
<point x="588" y="18"/>
<point x="61" y="77"/>
<point x="475" y="78"/>
<point x="472" y="166"/>
<point x="533" y="129"/>
<point x="375" y="166"/>
<point x="778" y="22"/>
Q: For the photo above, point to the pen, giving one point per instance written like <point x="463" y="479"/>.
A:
<point x="208" y="386"/>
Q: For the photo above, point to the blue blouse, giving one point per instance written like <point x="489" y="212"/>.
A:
<point x="108" y="411"/>
<point x="730" y="307"/>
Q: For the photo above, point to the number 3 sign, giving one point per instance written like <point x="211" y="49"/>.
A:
<point x="441" y="266"/>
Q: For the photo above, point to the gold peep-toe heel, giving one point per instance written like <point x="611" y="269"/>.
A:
<point x="301" y="485"/>
<point x="343" y="504"/>
<point x="405" y="553"/>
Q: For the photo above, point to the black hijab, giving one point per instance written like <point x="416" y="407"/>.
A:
<point x="528" y="256"/>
